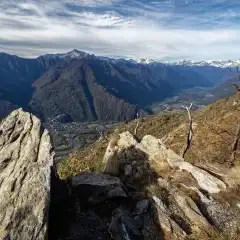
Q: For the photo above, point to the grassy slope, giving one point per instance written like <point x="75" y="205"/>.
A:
<point x="214" y="131"/>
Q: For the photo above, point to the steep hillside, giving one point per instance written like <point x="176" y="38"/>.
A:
<point x="74" y="89"/>
<point x="52" y="84"/>
<point x="17" y="75"/>
<point x="160" y="195"/>
<point x="181" y="77"/>
<point x="216" y="74"/>
<point x="214" y="132"/>
<point x="135" y="83"/>
<point x="222" y="90"/>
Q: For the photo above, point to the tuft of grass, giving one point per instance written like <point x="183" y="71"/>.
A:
<point x="157" y="126"/>
<point x="214" y="234"/>
<point x="62" y="148"/>
<point x="231" y="195"/>
<point x="87" y="159"/>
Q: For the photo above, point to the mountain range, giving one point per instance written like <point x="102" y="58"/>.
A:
<point x="85" y="87"/>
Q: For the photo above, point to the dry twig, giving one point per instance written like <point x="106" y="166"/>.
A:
<point x="190" y="130"/>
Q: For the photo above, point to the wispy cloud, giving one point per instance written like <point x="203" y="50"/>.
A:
<point x="167" y="29"/>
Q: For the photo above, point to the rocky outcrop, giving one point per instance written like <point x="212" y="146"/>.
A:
<point x="146" y="192"/>
<point x="97" y="187"/>
<point x="25" y="159"/>
<point x="185" y="196"/>
<point x="157" y="150"/>
<point x="168" y="225"/>
<point x="159" y="153"/>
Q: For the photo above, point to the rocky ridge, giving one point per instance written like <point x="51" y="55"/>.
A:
<point x="144" y="191"/>
<point x="201" y="213"/>
<point x="147" y="191"/>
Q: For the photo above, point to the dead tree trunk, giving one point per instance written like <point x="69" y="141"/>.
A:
<point x="238" y="78"/>
<point x="237" y="87"/>
<point x="235" y="144"/>
<point x="136" y="128"/>
<point x="101" y="134"/>
<point x="190" y="131"/>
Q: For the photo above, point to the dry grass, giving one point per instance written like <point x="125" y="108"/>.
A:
<point x="91" y="157"/>
<point x="214" y="235"/>
<point x="231" y="195"/>
<point x="157" y="126"/>
<point x="87" y="159"/>
<point x="213" y="127"/>
<point x="214" y="130"/>
<point x="155" y="190"/>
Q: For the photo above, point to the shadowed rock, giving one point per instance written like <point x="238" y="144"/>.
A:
<point x="176" y="212"/>
<point x="97" y="187"/>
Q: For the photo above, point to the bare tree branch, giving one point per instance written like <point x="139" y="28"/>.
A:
<point x="136" y="128"/>
<point x="238" y="76"/>
<point x="101" y="134"/>
<point x="235" y="144"/>
<point x="190" y="130"/>
<point x="236" y="86"/>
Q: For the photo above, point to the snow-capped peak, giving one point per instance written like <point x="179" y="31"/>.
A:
<point x="145" y="61"/>
<point x="75" y="54"/>
<point x="213" y="63"/>
<point x="190" y="63"/>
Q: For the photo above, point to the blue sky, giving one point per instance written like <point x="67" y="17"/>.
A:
<point x="161" y="30"/>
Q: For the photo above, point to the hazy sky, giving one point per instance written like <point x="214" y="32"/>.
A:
<point x="162" y="30"/>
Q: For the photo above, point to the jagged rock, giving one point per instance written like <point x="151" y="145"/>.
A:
<point x="128" y="170"/>
<point x="142" y="207"/>
<point x="110" y="160"/>
<point x="178" y="213"/>
<point x="123" y="226"/>
<point x="126" y="140"/>
<point x="160" y="204"/>
<point x="224" y="217"/>
<point x="25" y="159"/>
<point x="187" y="205"/>
<point x="159" y="152"/>
<point x="169" y="227"/>
<point x="97" y="187"/>
<point x="205" y="180"/>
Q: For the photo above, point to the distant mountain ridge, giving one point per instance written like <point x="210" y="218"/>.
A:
<point x="213" y="63"/>
<point x="86" y="87"/>
<point x="76" y="54"/>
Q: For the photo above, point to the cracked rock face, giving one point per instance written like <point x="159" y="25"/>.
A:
<point x="25" y="159"/>
<point x="185" y="198"/>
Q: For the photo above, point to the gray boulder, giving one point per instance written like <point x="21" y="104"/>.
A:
<point x="142" y="207"/>
<point x="97" y="187"/>
<point x="25" y="159"/>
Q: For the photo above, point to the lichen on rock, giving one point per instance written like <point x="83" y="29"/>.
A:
<point x="26" y="157"/>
